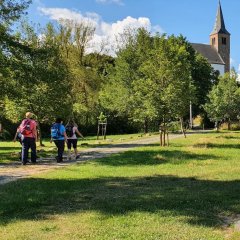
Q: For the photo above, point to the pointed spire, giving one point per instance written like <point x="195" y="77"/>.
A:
<point x="219" y="26"/>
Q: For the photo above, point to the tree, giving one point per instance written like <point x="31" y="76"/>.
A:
<point x="10" y="12"/>
<point x="153" y="78"/>
<point x="85" y="81"/>
<point x="39" y="80"/>
<point x="169" y="80"/>
<point x="124" y="77"/>
<point x="224" y="100"/>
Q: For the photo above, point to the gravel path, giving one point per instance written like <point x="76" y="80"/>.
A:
<point x="14" y="171"/>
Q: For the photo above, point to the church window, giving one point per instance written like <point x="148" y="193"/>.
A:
<point x="224" y="41"/>
<point x="213" y="41"/>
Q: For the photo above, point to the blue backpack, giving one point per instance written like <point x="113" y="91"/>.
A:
<point x="56" y="131"/>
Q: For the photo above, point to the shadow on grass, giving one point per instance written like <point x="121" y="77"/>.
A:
<point x="201" y="201"/>
<point x="10" y="148"/>
<point x="153" y="157"/>
<point x="215" y="145"/>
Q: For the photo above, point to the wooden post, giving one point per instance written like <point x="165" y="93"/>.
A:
<point x="102" y="127"/>
<point x="98" y="130"/>
<point x="167" y="139"/>
<point x="105" y="130"/>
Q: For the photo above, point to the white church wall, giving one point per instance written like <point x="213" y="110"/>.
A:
<point x="219" y="68"/>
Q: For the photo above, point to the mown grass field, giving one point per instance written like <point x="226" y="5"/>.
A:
<point x="188" y="191"/>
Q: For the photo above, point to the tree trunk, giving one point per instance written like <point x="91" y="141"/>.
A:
<point x="182" y="127"/>
<point x="40" y="135"/>
<point x="229" y="124"/>
<point x="216" y="126"/>
<point x="145" y="126"/>
<point x="161" y="140"/>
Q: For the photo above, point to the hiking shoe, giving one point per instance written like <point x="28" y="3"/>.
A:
<point x="77" y="157"/>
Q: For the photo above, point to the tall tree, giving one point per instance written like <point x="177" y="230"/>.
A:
<point x="40" y="83"/>
<point x="224" y="100"/>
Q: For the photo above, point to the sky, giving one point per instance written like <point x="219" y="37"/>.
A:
<point x="194" y="19"/>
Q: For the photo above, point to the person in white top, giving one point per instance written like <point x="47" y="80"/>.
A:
<point x="71" y="131"/>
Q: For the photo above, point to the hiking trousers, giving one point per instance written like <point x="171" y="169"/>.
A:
<point x="27" y="143"/>
<point x="60" y="146"/>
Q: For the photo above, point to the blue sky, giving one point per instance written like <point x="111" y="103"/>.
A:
<point x="194" y="19"/>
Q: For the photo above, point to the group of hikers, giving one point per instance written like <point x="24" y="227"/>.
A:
<point x="27" y="135"/>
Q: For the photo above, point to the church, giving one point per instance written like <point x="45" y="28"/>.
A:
<point x="218" y="51"/>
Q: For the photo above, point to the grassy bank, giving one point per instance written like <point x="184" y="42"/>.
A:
<point x="189" y="190"/>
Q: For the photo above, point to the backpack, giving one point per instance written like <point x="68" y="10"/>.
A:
<point x="55" y="131"/>
<point x="69" y="130"/>
<point x="26" y="127"/>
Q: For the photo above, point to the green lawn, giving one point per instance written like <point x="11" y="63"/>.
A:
<point x="187" y="191"/>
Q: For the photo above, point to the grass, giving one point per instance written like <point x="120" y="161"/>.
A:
<point x="9" y="151"/>
<point x="188" y="191"/>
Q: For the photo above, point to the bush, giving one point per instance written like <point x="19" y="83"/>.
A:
<point x="6" y="135"/>
<point x="174" y="126"/>
<point x="235" y="126"/>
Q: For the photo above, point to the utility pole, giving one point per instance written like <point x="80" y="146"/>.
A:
<point x="191" y="120"/>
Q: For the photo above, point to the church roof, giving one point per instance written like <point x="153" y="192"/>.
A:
<point x="219" y="26"/>
<point x="209" y="52"/>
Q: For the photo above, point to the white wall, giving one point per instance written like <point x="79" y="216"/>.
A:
<point x="218" y="67"/>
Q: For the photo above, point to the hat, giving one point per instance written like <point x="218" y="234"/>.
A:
<point x="29" y="115"/>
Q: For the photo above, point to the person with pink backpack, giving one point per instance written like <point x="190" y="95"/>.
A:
<point x="29" y="135"/>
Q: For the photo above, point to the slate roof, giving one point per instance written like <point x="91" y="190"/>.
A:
<point x="219" y="26"/>
<point x="208" y="52"/>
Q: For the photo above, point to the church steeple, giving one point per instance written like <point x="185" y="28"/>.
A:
<point x="220" y="38"/>
<point x="219" y="26"/>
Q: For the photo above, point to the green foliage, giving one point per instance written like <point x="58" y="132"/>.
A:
<point x="151" y="79"/>
<point x="102" y="118"/>
<point x="224" y="99"/>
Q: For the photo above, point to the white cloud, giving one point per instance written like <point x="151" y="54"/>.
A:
<point x="119" y="2"/>
<point x="105" y="32"/>
<point x="238" y="79"/>
<point x="64" y="13"/>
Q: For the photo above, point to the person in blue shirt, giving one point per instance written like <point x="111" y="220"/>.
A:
<point x="59" y="136"/>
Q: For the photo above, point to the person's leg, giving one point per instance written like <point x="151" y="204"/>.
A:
<point x="25" y="148"/>
<point x="61" y="150"/>
<point x="57" y="145"/>
<point x="33" y="150"/>
<point x="75" y="148"/>
<point x="69" y="145"/>
<point x="20" y="153"/>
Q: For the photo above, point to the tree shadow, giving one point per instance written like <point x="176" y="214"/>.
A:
<point x="202" y="201"/>
<point x="10" y="148"/>
<point x="216" y="145"/>
<point x="153" y="157"/>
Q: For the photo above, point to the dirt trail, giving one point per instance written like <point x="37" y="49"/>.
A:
<point x="14" y="171"/>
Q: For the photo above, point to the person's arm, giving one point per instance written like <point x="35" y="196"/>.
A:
<point x="79" y="134"/>
<point x="34" y="132"/>
<point x="15" y="137"/>
<point x="65" y="136"/>
<point x="64" y="133"/>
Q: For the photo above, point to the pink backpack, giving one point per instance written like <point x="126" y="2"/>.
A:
<point x="25" y="128"/>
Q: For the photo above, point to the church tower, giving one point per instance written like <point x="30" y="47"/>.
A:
<point x="220" y="38"/>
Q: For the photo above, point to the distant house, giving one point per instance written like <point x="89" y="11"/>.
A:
<point x="218" y="52"/>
